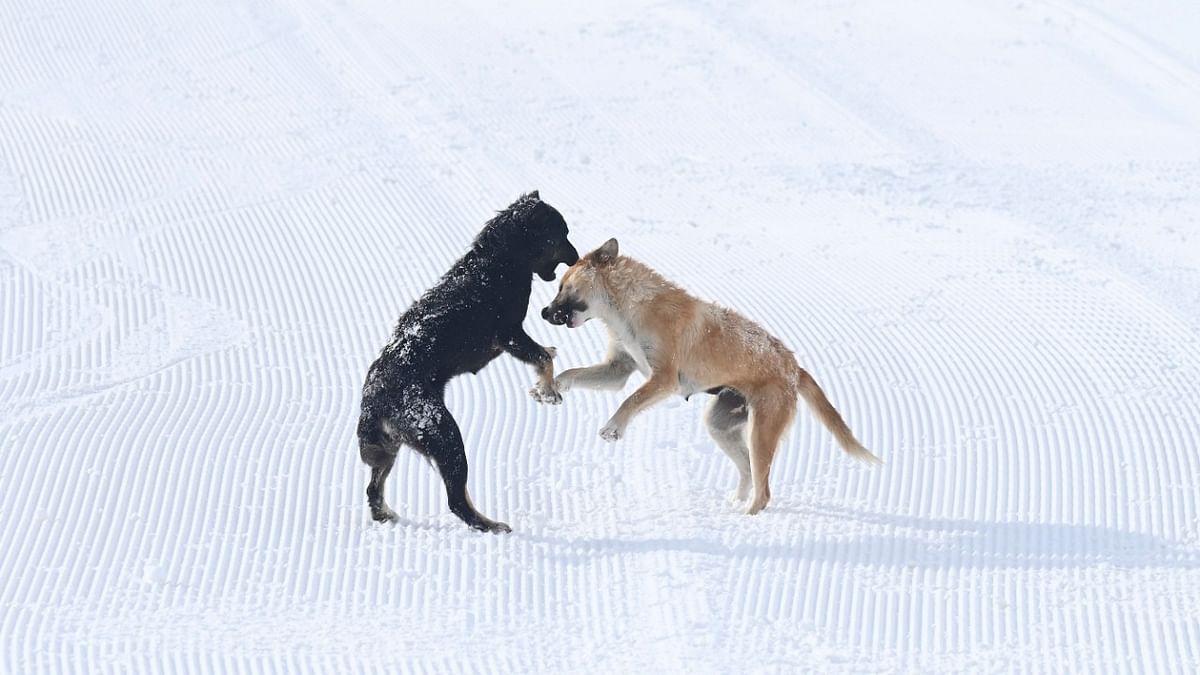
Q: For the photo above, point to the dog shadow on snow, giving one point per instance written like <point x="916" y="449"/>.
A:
<point x="907" y="541"/>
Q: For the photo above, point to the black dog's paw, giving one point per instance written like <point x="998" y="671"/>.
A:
<point x="549" y="396"/>
<point x="493" y="526"/>
<point x="383" y="514"/>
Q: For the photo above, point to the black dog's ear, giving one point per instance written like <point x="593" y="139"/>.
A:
<point x="534" y="195"/>
<point x="606" y="253"/>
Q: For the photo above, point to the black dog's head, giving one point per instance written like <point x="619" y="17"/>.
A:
<point x="531" y="232"/>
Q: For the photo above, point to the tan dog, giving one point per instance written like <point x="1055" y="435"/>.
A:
<point x="685" y="345"/>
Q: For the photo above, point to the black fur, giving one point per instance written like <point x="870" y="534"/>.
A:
<point x="472" y="315"/>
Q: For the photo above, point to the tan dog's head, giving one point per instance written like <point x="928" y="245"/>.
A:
<point x="580" y="290"/>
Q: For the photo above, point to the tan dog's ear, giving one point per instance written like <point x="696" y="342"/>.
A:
<point x="606" y="253"/>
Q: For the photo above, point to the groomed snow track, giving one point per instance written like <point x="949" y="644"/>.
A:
<point x="976" y="225"/>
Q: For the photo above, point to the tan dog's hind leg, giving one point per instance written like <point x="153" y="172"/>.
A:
<point x="726" y="420"/>
<point x="769" y="418"/>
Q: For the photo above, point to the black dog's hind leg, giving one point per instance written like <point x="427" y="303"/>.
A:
<point x="380" y="511"/>
<point x="379" y="454"/>
<point x="438" y="438"/>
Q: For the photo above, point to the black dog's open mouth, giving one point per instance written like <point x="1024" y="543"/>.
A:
<point x="547" y="272"/>
<point x="568" y="257"/>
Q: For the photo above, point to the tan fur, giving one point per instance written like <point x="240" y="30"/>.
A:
<point x="544" y="389"/>
<point x="685" y="345"/>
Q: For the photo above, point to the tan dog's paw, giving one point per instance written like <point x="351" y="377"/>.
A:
<point x="552" y="351"/>
<point x="611" y="432"/>
<point x="563" y="382"/>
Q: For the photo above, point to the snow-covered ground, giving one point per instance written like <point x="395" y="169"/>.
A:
<point x="977" y="224"/>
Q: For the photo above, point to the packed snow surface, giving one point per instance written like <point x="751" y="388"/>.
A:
<point x="976" y="223"/>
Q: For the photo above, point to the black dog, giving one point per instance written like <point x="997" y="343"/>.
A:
<point x="458" y="327"/>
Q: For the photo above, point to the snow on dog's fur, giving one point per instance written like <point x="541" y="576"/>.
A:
<point x="469" y="318"/>
<point x="685" y="345"/>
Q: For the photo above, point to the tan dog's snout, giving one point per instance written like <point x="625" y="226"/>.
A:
<point x="563" y="312"/>
<point x="555" y="316"/>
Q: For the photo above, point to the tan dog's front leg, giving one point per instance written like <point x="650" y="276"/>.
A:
<point x="662" y="383"/>
<point x="611" y="374"/>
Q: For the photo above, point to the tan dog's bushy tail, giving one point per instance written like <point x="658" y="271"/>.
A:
<point x="829" y="416"/>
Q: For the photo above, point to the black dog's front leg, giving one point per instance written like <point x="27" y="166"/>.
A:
<point x="520" y="345"/>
